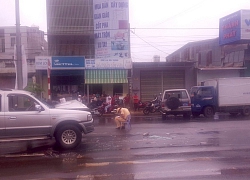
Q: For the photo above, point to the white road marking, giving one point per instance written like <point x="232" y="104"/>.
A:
<point x="145" y="161"/>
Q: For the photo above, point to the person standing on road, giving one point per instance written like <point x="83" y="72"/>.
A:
<point x="136" y="101"/>
<point x="123" y="114"/>
<point x="126" y="101"/>
<point x="108" y="103"/>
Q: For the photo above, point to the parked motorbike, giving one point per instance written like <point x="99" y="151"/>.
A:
<point x="100" y="110"/>
<point x="95" y="104"/>
<point x="141" y="105"/>
<point x="152" y="107"/>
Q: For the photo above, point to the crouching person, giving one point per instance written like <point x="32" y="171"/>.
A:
<point x="122" y="116"/>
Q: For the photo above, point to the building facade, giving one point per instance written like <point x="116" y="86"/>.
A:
<point x="82" y="29"/>
<point x="34" y="43"/>
<point x="212" y="60"/>
<point x="223" y="57"/>
<point x="151" y="78"/>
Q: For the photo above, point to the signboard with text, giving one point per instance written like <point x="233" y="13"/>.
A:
<point x="68" y="62"/>
<point x="108" y="63"/>
<point x="111" y="28"/>
<point x="234" y="27"/>
<point x="41" y="62"/>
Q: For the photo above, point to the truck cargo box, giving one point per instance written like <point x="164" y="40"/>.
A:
<point x="231" y="91"/>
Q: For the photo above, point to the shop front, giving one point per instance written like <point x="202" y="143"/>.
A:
<point x="73" y="76"/>
<point x="61" y="76"/>
<point x="107" y="77"/>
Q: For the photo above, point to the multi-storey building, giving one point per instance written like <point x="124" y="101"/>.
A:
<point x="72" y="39"/>
<point x="34" y="43"/>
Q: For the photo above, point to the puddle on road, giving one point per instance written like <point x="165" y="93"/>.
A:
<point x="159" y="137"/>
<point x="209" y="132"/>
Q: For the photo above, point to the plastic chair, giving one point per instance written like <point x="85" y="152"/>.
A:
<point x="127" y="123"/>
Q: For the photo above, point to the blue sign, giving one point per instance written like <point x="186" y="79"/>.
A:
<point x="68" y="62"/>
<point x="230" y="28"/>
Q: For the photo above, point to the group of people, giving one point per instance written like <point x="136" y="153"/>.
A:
<point x="123" y="109"/>
<point x="136" y="100"/>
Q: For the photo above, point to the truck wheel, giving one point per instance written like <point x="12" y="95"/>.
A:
<point x="146" y="111"/>
<point x="173" y="103"/>
<point x="208" y="112"/>
<point x="68" y="137"/>
<point x="245" y="111"/>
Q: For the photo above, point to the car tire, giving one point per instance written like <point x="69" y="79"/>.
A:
<point x="68" y="137"/>
<point x="173" y="103"/>
<point x="208" y="112"/>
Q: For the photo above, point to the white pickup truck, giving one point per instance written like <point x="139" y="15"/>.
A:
<point x="24" y="117"/>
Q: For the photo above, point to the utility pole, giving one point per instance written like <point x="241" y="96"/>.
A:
<point x="19" y="71"/>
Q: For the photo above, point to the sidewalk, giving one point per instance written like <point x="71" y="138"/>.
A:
<point x="140" y="113"/>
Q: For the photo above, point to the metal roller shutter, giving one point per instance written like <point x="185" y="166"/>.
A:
<point x="154" y="82"/>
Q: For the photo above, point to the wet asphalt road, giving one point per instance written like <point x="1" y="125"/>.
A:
<point x="153" y="149"/>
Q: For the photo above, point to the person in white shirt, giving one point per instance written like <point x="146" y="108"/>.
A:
<point x="108" y="102"/>
<point x="79" y="98"/>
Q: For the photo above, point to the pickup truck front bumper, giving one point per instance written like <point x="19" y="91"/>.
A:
<point x="88" y="126"/>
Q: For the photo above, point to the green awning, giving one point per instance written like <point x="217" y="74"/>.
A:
<point x="106" y="76"/>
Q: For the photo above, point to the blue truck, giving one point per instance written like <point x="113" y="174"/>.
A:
<point x="229" y="95"/>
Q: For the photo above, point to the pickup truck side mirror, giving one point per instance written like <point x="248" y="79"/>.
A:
<point x="38" y="107"/>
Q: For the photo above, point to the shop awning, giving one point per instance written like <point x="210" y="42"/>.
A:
<point x="106" y="76"/>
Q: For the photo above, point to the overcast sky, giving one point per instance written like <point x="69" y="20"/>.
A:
<point x="158" y="27"/>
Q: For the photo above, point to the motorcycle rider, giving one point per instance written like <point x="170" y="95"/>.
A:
<point x="156" y="100"/>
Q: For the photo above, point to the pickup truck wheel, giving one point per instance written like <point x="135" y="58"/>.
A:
<point x="245" y="111"/>
<point x="208" y="112"/>
<point x="173" y="103"/>
<point x="68" y="137"/>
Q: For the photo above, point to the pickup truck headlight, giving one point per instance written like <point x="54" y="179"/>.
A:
<point x="89" y="117"/>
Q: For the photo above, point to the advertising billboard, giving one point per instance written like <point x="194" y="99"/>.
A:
<point x="234" y="27"/>
<point x="111" y="28"/>
<point x="108" y="63"/>
<point x="41" y="62"/>
<point x="68" y="62"/>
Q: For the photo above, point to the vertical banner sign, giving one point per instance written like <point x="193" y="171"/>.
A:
<point x="111" y="28"/>
<point x="48" y="72"/>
